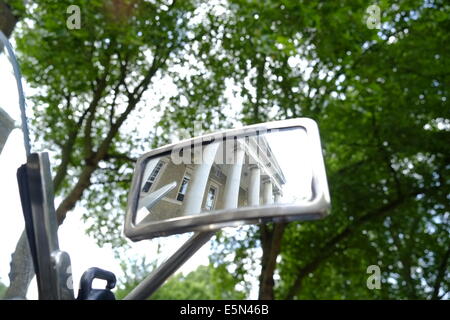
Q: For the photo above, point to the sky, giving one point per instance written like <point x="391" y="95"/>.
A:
<point x="291" y="150"/>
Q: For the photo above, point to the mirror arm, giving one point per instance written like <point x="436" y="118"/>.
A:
<point x="155" y="279"/>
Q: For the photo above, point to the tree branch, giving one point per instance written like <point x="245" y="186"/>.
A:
<point x="271" y="245"/>
<point x="405" y="259"/>
<point x="7" y="21"/>
<point x="121" y="81"/>
<point x="98" y="92"/>
<point x="157" y="62"/>
<point x="441" y="275"/>
<point x="84" y="180"/>
<point x="109" y="182"/>
<point x="119" y="156"/>
<point x="66" y="151"/>
<point x="329" y="248"/>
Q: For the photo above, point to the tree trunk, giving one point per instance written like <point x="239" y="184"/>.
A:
<point x="22" y="270"/>
<point x="271" y="245"/>
<point x="7" y="21"/>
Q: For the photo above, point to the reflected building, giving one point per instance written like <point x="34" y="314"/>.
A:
<point x="234" y="173"/>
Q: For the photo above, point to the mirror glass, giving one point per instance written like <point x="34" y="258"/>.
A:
<point x="253" y="169"/>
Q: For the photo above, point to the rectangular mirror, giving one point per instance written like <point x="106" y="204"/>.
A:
<point x="266" y="172"/>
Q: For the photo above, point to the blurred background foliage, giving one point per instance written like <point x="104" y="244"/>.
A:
<point x="138" y="74"/>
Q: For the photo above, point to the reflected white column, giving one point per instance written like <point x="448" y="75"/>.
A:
<point x="268" y="192"/>
<point x="277" y="196"/>
<point x="254" y="186"/>
<point x="231" y="192"/>
<point x="197" y="186"/>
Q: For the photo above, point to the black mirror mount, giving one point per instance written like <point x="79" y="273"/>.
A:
<point x="52" y="266"/>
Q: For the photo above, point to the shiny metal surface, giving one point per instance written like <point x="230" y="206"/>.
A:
<point x="315" y="208"/>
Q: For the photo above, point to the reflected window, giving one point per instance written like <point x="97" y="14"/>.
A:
<point x="183" y="188"/>
<point x="210" y="198"/>
<point x="151" y="179"/>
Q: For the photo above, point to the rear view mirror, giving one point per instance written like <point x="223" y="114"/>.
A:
<point x="266" y="172"/>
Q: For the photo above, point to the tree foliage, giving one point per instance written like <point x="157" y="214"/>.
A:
<point x="380" y="98"/>
<point x="2" y="290"/>
<point x="89" y="81"/>
<point x="199" y="284"/>
<point x="378" y="95"/>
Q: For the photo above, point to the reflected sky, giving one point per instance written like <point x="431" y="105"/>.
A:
<point x="291" y="149"/>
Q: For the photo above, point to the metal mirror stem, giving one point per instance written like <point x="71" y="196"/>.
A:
<point x="153" y="281"/>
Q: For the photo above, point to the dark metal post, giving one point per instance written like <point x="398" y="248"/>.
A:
<point x="52" y="266"/>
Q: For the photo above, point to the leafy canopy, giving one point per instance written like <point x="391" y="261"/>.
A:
<point x="378" y="95"/>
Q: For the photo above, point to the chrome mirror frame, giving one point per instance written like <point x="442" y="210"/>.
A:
<point x="314" y="209"/>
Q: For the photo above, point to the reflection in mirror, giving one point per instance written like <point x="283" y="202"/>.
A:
<point x="255" y="169"/>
